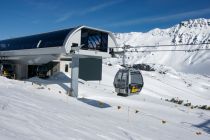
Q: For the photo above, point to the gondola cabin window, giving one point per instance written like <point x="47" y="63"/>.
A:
<point x="135" y="78"/>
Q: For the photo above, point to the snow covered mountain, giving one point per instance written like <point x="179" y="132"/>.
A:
<point x="195" y="31"/>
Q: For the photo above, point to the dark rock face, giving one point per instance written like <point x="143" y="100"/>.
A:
<point x="144" y="67"/>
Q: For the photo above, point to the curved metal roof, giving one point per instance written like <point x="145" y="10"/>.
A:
<point x="44" y="40"/>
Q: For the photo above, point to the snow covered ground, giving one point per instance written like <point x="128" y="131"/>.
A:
<point x="31" y="112"/>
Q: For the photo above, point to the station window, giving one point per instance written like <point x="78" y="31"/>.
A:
<point x="66" y="68"/>
<point x="94" y="40"/>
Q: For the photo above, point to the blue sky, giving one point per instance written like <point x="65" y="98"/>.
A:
<point x="25" y="17"/>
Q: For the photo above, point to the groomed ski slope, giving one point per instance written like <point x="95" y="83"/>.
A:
<point x="32" y="112"/>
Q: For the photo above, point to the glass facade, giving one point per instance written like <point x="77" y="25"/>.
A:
<point x="51" y="39"/>
<point x="94" y="40"/>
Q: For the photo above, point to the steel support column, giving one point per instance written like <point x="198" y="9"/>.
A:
<point x="74" y="75"/>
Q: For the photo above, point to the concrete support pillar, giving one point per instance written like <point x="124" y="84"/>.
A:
<point x="21" y="71"/>
<point x="74" y="75"/>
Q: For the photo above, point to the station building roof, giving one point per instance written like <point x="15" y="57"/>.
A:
<point x="44" y="40"/>
<point x="45" y="47"/>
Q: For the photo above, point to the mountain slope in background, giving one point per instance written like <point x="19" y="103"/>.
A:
<point x="195" y="31"/>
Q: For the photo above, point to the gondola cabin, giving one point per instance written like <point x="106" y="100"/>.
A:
<point x="128" y="81"/>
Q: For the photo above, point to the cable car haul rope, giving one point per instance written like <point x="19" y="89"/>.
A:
<point x="129" y="81"/>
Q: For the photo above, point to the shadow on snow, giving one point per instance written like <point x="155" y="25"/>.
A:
<point x="205" y="126"/>
<point x="94" y="103"/>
